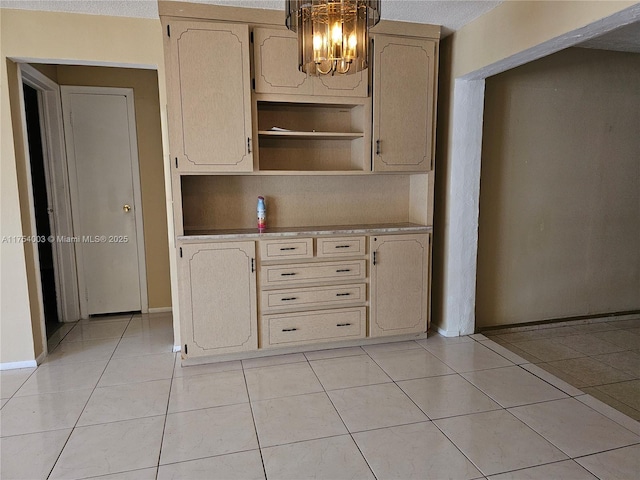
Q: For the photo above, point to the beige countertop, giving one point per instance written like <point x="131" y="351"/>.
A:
<point x="308" y="231"/>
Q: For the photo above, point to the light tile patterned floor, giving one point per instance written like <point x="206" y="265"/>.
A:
<point x="601" y="357"/>
<point x="112" y="401"/>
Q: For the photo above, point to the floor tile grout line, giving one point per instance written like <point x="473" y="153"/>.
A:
<point x="86" y="403"/>
<point x="342" y="419"/>
<point x="166" y="414"/>
<point x="253" y="419"/>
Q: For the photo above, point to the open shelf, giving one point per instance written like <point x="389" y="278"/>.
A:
<point x="313" y="137"/>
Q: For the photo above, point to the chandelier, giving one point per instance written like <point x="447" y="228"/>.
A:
<point x="332" y="34"/>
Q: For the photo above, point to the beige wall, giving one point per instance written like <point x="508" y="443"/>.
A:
<point x="560" y="189"/>
<point x="505" y="36"/>
<point x="147" y="110"/>
<point x="47" y="37"/>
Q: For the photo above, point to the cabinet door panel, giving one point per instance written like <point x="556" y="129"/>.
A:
<point x="210" y="96"/>
<point x="276" y="63"/>
<point x="218" y="298"/>
<point x="352" y="85"/>
<point x="276" y="66"/>
<point x="403" y="103"/>
<point x="399" y="284"/>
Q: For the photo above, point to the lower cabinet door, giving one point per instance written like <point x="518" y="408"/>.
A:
<point x="312" y="327"/>
<point x="218" y="307"/>
<point x="399" y="284"/>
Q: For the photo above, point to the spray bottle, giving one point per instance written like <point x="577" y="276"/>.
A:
<point x="262" y="214"/>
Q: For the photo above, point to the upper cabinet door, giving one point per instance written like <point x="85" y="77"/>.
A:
<point x="276" y="69"/>
<point x="276" y="63"/>
<point x="403" y="103"/>
<point x="210" y="97"/>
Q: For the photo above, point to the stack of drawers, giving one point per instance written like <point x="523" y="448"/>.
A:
<point x="309" y="294"/>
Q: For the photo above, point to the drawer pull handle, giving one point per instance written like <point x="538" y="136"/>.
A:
<point x="342" y="294"/>
<point x="289" y="329"/>
<point x="343" y="324"/>
<point x="288" y="248"/>
<point x="288" y="299"/>
<point x="342" y="270"/>
<point x="343" y="246"/>
<point x="287" y="274"/>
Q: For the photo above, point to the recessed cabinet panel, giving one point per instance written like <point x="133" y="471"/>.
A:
<point x="210" y="97"/>
<point x="340" y="246"/>
<point x="399" y="284"/>
<point x="403" y="103"/>
<point x="352" y="85"/>
<point x="218" y="298"/>
<point x="276" y="65"/>
<point x="312" y="272"/>
<point x="313" y="297"/>
<point x="286" y="249"/>
<point x="313" y="327"/>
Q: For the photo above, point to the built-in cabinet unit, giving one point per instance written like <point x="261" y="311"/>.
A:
<point x="399" y="284"/>
<point x="403" y="103"/>
<point x="210" y="97"/>
<point x="217" y="288"/>
<point x="345" y="163"/>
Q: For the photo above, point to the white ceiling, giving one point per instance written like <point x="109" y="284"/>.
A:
<point x="451" y="14"/>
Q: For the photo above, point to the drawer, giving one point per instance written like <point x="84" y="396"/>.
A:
<point x="340" y="247"/>
<point x="312" y="272"/>
<point x="286" y="249"/>
<point x="313" y="296"/>
<point x="312" y="327"/>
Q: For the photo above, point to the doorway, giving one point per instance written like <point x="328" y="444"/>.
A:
<point x="42" y="209"/>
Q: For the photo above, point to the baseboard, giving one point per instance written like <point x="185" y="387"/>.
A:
<point x="41" y="358"/>
<point x="160" y="310"/>
<point x="16" y="365"/>
<point x="447" y="333"/>
<point x="177" y="348"/>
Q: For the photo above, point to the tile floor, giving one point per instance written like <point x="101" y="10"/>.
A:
<point x="601" y="357"/>
<point x="112" y="401"/>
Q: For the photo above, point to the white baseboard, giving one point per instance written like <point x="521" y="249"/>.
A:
<point x="177" y="348"/>
<point x="160" y="310"/>
<point x="16" y="365"/>
<point x="447" y="333"/>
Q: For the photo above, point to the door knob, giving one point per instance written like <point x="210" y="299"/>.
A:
<point x="126" y="208"/>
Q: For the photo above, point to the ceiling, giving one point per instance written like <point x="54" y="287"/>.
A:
<point x="451" y="14"/>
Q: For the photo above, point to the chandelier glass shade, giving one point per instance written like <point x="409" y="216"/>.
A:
<point x="333" y="35"/>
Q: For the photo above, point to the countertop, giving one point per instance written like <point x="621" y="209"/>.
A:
<point x="309" y="231"/>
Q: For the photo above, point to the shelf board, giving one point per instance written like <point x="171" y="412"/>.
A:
<point x="311" y="135"/>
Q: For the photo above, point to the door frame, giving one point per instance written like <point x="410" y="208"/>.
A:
<point x="137" y="194"/>
<point x="55" y="166"/>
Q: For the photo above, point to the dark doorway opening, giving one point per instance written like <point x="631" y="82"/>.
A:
<point x="42" y="209"/>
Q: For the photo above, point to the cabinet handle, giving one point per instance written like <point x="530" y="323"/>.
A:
<point x="288" y="299"/>
<point x="378" y="147"/>
<point x="342" y="270"/>
<point x="342" y="294"/>
<point x="342" y="324"/>
<point x="288" y="248"/>
<point x="343" y="246"/>
<point x="287" y="274"/>
<point x="253" y="265"/>
<point x="248" y="144"/>
<point x="374" y="258"/>
<point x="289" y="329"/>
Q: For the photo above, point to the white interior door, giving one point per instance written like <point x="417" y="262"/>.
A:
<point x="100" y="137"/>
